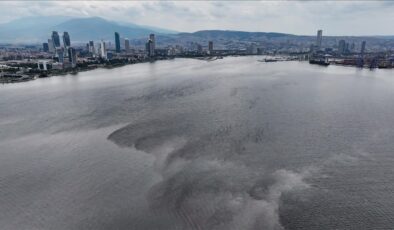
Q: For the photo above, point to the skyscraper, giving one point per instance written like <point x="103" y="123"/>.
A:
<point x="117" y="42"/>
<point x="45" y="47"/>
<point x="152" y="38"/>
<point x="210" y="47"/>
<point x="66" y="40"/>
<point x="319" y="38"/>
<point x="55" y="39"/>
<point x="60" y="54"/>
<point x="363" y="44"/>
<point x="91" y="47"/>
<point x="122" y="43"/>
<point x="127" y="44"/>
<point x="149" y="48"/>
<point x="342" y="46"/>
<point x="150" y="45"/>
<point x="72" y="57"/>
<point x="51" y="48"/>
<point x="103" y="51"/>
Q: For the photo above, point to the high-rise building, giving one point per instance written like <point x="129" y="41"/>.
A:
<point x="55" y="39"/>
<point x="319" y="38"/>
<point x="117" y="42"/>
<point x="72" y="57"/>
<point x="149" y="48"/>
<point x="51" y="48"/>
<point x="127" y="44"/>
<point x="122" y="43"/>
<point x="66" y="40"/>
<point x="45" y="47"/>
<point x="91" y="47"/>
<point x="152" y="38"/>
<point x="363" y="44"/>
<point x="60" y="54"/>
<point x="342" y="47"/>
<point x="210" y="46"/>
<point x="103" y="51"/>
<point x="150" y="45"/>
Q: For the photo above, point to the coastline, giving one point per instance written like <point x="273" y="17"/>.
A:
<point x="53" y="73"/>
<point x="84" y="67"/>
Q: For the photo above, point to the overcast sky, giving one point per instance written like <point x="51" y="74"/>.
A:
<point x="297" y="17"/>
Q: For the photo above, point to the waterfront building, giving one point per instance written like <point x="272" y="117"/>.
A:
<point x="66" y="40"/>
<point x="152" y="38"/>
<point x="210" y="47"/>
<point x="127" y="44"/>
<point x="319" y="38"/>
<point x="103" y="51"/>
<point x="45" y="47"/>
<point x="72" y="57"/>
<point x="55" y="39"/>
<point x="149" y="48"/>
<point x="117" y="42"/>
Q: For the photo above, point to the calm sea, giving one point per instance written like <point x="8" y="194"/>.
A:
<point x="190" y="144"/>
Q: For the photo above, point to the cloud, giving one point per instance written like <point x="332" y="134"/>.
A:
<point x="299" y="17"/>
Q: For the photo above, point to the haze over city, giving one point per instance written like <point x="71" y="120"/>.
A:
<point x="297" y="17"/>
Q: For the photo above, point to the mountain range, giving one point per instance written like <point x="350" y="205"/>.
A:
<point x="39" y="29"/>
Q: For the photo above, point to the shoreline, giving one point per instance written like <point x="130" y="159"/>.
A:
<point x="53" y="73"/>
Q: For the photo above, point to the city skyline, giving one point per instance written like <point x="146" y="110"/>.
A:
<point x="298" y="17"/>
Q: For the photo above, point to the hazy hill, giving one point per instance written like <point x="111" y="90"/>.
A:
<point x="39" y="29"/>
<point x="29" y="29"/>
<point x="84" y="29"/>
<point x="230" y="34"/>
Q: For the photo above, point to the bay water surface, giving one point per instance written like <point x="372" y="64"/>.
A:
<point x="190" y="144"/>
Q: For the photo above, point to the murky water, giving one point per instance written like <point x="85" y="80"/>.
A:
<point x="189" y="144"/>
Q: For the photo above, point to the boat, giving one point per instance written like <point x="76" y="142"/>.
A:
<point x="319" y="62"/>
<point x="270" y="60"/>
